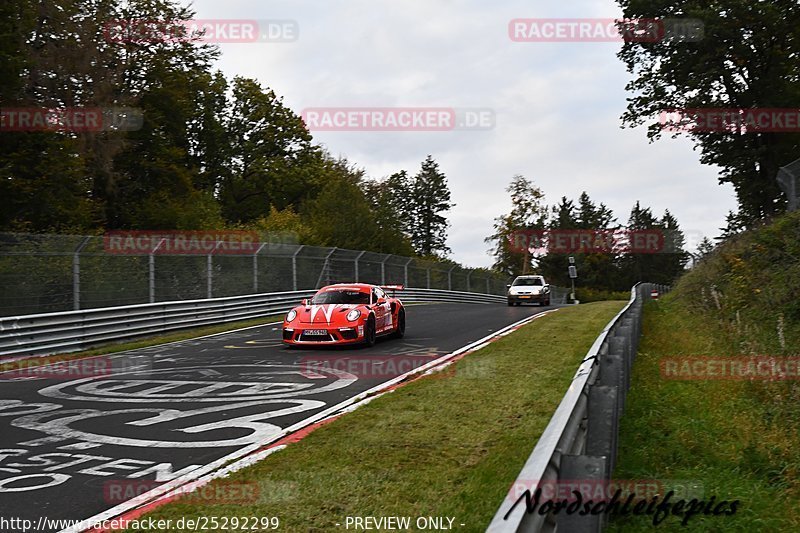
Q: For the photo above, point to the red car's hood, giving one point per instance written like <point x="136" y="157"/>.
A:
<point x="325" y="314"/>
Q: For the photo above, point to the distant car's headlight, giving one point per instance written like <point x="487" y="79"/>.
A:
<point x="353" y="315"/>
<point x="546" y="289"/>
<point x="291" y="316"/>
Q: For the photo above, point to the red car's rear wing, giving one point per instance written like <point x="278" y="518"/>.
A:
<point x="392" y="288"/>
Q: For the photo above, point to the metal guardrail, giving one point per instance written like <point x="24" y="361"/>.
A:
<point x="559" y="295"/>
<point x="71" y="331"/>
<point x="580" y="441"/>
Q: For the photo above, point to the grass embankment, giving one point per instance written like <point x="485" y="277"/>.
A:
<point x="737" y="439"/>
<point x="448" y="445"/>
<point x="586" y="295"/>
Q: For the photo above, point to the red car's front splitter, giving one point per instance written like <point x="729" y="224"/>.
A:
<point x="334" y="336"/>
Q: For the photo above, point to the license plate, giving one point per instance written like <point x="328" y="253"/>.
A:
<point x="316" y="332"/>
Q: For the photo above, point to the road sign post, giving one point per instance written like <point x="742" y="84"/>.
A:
<point x="573" y="273"/>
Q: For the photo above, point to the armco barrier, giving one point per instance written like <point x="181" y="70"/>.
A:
<point x="72" y="331"/>
<point x="580" y="441"/>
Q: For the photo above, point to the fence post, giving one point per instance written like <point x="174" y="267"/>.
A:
<point x="469" y="288"/>
<point x="383" y="269"/>
<point x="255" y="267"/>
<point x="209" y="277"/>
<point x="209" y="282"/>
<point x="152" y="270"/>
<point x="76" y="274"/>
<point x="450" y="278"/>
<point x="356" y="263"/>
<point x="428" y="277"/>
<point x="326" y="269"/>
<point x="405" y="272"/>
<point x="151" y="277"/>
<point x="294" y="267"/>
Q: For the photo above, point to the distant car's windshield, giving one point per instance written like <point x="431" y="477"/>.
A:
<point x="341" y="297"/>
<point x="537" y="282"/>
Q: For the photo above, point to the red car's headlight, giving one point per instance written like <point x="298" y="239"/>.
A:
<point x="353" y="315"/>
<point x="291" y="316"/>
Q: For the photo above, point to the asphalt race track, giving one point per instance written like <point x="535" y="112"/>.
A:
<point x="72" y="446"/>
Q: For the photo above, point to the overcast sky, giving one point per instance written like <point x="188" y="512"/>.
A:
<point x="557" y="105"/>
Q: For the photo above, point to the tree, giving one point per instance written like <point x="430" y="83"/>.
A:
<point x="57" y="56"/>
<point x="157" y="181"/>
<point x="43" y="183"/>
<point x="592" y="216"/>
<point x="340" y="215"/>
<point x="282" y="226"/>
<point x="563" y="215"/>
<point x="674" y="256"/>
<point x="396" y="191"/>
<point x="597" y="270"/>
<point x="271" y="155"/>
<point x="663" y="266"/>
<point x="430" y="197"/>
<point x="705" y="248"/>
<point x="390" y="207"/>
<point x="748" y="59"/>
<point x="528" y="212"/>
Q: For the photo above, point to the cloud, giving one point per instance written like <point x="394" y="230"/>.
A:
<point x="557" y="105"/>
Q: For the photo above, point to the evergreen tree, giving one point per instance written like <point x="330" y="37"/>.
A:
<point x="563" y="215"/>
<point x="705" y="248"/>
<point x="637" y="266"/>
<point x="596" y="270"/>
<point x="674" y="256"/>
<point x="430" y="197"/>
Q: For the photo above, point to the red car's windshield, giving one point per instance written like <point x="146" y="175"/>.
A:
<point x="341" y="297"/>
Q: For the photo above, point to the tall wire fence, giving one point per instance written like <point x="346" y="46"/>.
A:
<point x="51" y="273"/>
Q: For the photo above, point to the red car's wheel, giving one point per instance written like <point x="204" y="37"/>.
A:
<point x="369" y="332"/>
<point x="401" y="324"/>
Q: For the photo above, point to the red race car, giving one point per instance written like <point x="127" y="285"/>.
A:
<point x="346" y="313"/>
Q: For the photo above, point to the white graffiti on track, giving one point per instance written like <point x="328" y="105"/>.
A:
<point x="200" y="384"/>
<point x="247" y="398"/>
<point x="165" y="423"/>
<point x="41" y="471"/>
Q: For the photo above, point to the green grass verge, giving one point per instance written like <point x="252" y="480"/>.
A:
<point x="445" y="445"/>
<point x="141" y="343"/>
<point x="713" y="433"/>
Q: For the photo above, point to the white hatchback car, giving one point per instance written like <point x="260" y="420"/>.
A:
<point x="528" y="289"/>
